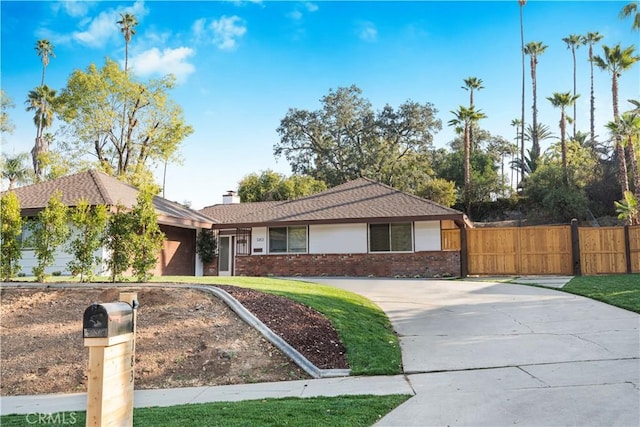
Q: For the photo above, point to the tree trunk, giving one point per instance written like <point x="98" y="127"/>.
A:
<point x="523" y="93"/>
<point x="535" y="149"/>
<point x="622" y="161"/>
<point x="563" y="144"/>
<point x="593" y="99"/>
<point x="573" y="52"/>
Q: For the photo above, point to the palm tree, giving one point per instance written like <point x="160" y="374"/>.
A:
<point x="472" y="84"/>
<point x="45" y="50"/>
<point x="616" y="60"/>
<point x="522" y="118"/>
<point x="591" y="39"/>
<point x="127" y="24"/>
<point x="534" y="49"/>
<point x="14" y="169"/>
<point x="629" y="10"/>
<point x="518" y="125"/>
<point x="563" y="100"/>
<point x="574" y="41"/>
<point x="465" y="117"/>
<point x="628" y="129"/>
<point x="41" y="101"/>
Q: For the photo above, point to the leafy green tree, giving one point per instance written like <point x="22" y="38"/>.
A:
<point x="616" y="60"/>
<point x="632" y="10"/>
<point x="11" y="226"/>
<point x="273" y="186"/>
<point x="43" y="102"/>
<point x="147" y="237"/>
<point x="574" y="41"/>
<point x="50" y="231"/>
<point x="438" y="190"/>
<point x="206" y="245"/>
<point x="346" y="139"/>
<point x="534" y="50"/>
<point x="90" y="223"/>
<point x="13" y="168"/>
<point x="6" y="126"/>
<point x="118" y="241"/>
<point x="562" y="101"/>
<point x="583" y="168"/>
<point x="92" y="105"/>
<point x="591" y="39"/>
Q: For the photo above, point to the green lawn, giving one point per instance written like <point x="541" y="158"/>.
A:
<point x="622" y="290"/>
<point x="372" y="346"/>
<point x="320" y="411"/>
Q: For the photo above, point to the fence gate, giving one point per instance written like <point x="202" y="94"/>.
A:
<point x="602" y="250"/>
<point x="520" y="250"/>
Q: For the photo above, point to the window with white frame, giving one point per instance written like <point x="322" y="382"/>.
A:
<point x="391" y="237"/>
<point x="288" y="239"/>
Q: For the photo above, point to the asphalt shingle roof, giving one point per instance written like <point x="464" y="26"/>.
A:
<point x="355" y="200"/>
<point x="101" y="189"/>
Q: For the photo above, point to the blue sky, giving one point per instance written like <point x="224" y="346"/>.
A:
<point x="242" y="65"/>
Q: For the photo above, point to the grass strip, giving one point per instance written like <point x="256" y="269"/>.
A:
<point x="620" y="290"/>
<point x="317" y="411"/>
<point x="372" y="346"/>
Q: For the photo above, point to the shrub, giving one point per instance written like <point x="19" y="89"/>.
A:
<point x="10" y="252"/>
<point x="206" y="245"/>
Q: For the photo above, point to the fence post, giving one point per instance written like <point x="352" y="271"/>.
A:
<point x="627" y="248"/>
<point x="575" y="248"/>
<point x="464" y="251"/>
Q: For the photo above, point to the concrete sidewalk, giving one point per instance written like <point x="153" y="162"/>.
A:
<point x="381" y="385"/>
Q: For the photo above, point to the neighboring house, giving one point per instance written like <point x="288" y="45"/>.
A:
<point x="360" y="228"/>
<point x="179" y="224"/>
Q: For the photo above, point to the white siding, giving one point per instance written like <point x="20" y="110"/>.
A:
<point x="259" y="241"/>
<point x="427" y="236"/>
<point x="338" y="239"/>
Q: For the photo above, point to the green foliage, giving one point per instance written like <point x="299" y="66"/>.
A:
<point x="6" y="126"/>
<point x="118" y="242"/>
<point x="549" y="197"/>
<point x="90" y="223"/>
<point x="347" y="139"/>
<point x="92" y="105"/>
<point x="273" y="186"/>
<point x="627" y="208"/>
<point x="49" y="232"/>
<point x="439" y="190"/>
<point x="206" y="245"/>
<point x="11" y="229"/>
<point x="147" y="237"/>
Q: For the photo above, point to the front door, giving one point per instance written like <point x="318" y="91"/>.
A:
<point x="225" y="256"/>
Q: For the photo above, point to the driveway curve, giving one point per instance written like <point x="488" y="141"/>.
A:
<point x="494" y="354"/>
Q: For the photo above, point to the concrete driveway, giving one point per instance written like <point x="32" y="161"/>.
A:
<point x="491" y="354"/>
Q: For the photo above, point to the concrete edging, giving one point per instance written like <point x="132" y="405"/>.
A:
<point x="231" y="302"/>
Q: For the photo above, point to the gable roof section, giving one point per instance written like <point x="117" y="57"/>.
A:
<point x="101" y="189"/>
<point x="354" y="201"/>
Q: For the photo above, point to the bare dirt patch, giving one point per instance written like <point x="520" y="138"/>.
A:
<point x="184" y="338"/>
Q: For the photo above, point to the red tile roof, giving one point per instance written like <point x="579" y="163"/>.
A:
<point x="101" y="189"/>
<point x="357" y="200"/>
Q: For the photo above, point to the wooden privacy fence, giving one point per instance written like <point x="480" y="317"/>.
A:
<point x="564" y="250"/>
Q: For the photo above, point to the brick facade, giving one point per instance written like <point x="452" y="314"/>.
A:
<point x="418" y="264"/>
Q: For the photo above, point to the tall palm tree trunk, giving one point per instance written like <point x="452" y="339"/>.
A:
<point x="535" y="149"/>
<point x="467" y="166"/>
<point x="522" y="3"/>
<point x="622" y="161"/>
<point x="563" y="145"/>
<point x="592" y="98"/>
<point x="573" y="52"/>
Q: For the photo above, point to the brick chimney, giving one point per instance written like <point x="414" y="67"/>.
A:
<point x="230" y="198"/>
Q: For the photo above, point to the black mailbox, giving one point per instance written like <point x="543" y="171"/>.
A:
<point x="107" y="320"/>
